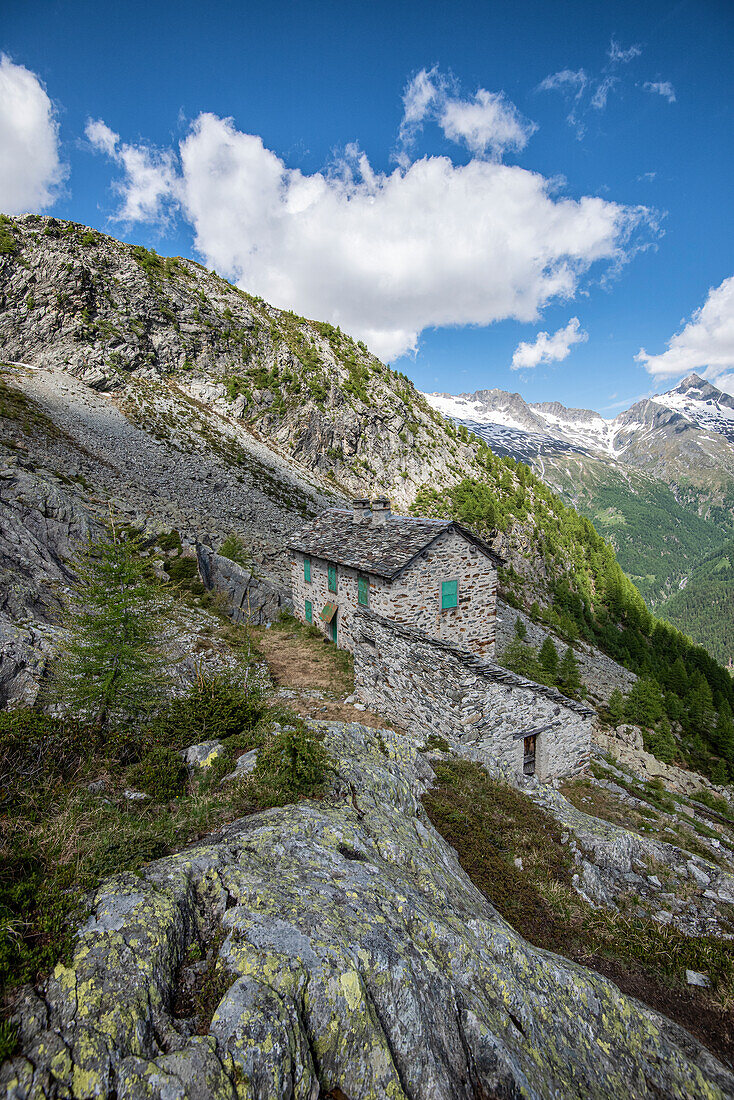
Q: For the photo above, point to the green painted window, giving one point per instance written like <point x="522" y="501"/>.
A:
<point x="363" y="591"/>
<point x="449" y="594"/>
<point x="307" y="570"/>
<point x="332" y="578"/>
<point x="309" y="611"/>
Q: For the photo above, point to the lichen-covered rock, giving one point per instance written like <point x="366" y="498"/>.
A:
<point x="352" y="953"/>
<point x="202" y="756"/>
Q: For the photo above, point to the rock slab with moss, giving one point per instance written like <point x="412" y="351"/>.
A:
<point x="347" y="950"/>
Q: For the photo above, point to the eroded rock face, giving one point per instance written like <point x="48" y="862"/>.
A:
<point x="355" y="954"/>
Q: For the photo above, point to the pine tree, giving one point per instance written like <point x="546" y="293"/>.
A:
<point x="549" y="659"/>
<point x="661" y="742"/>
<point x="568" y="679"/>
<point x="644" y="704"/>
<point x="521" y="631"/>
<point x="615" y="707"/>
<point x="109" y="668"/>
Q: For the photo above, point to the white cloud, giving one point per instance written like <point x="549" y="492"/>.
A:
<point x="704" y="345"/>
<point x="661" y="87"/>
<point x="384" y="255"/>
<point x="584" y="92"/>
<point x="488" y="123"/>
<point x="30" y="165"/>
<point x="617" y="55"/>
<point x="573" y="79"/>
<point x="101" y="136"/>
<point x="549" y="349"/>
<point x="151" y="178"/>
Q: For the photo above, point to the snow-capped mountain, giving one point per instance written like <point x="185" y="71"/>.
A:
<point x="684" y="436"/>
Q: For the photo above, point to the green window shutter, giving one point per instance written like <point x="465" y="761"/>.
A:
<point x="309" y="611"/>
<point x="449" y="594"/>
<point x="363" y="590"/>
<point x="307" y="570"/>
<point x="332" y="578"/>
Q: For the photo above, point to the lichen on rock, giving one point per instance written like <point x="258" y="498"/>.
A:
<point x="352" y="951"/>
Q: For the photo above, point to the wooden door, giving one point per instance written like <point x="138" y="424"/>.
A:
<point x="529" y="754"/>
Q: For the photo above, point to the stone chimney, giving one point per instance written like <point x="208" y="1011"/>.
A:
<point x="361" y="510"/>
<point x="380" y="511"/>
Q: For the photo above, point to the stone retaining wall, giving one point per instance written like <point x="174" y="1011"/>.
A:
<point x="428" y="686"/>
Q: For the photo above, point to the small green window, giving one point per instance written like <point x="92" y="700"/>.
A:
<point x="449" y="594"/>
<point x="332" y="578"/>
<point x="363" y="591"/>
<point x="309" y="611"/>
<point x="307" y="570"/>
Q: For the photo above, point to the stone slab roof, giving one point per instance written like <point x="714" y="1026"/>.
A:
<point x="479" y="665"/>
<point x="381" y="549"/>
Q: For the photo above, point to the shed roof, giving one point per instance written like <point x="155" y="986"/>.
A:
<point x="383" y="549"/>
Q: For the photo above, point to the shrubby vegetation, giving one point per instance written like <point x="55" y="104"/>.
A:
<point x="544" y="665"/>
<point x="66" y="777"/>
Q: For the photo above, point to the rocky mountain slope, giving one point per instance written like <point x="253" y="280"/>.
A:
<point x="353" y="958"/>
<point x="153" y="388"/>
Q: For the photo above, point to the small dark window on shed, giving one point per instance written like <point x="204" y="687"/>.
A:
<point x="332" y="578"/>
<point x="307" y="570"/>
<point x="449" y="594"/>
<point x="363" y="590"/>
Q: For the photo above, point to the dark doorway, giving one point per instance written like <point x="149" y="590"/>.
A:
<point x="528" y="764"/>
<point x="332" y="624"/>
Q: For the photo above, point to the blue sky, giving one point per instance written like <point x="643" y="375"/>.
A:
<point x="447" y="181"/>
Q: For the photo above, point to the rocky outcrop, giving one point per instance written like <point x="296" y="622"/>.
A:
<point x="250" y="597"/>
<point x="352" y="954"/>
<point x="626" y="744"/>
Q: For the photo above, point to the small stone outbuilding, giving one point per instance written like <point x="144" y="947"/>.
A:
<point x="430" y="574"/>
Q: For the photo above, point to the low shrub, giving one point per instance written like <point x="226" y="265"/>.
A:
<point x="161" y="773"/>
<point x="290" y="765"/>
<point x="184" y="573"/>
<point x="217" y="707"/>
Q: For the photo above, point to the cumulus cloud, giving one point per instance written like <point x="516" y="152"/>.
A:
<point x="661" y="87"/>
<point x="704" y="345"/>
<point x="151" y="177"/>
<point x="384" y="255"/>
<point x="488" y="123"/>
<point x="30" y="164"/>
<point x="549" y="349"/>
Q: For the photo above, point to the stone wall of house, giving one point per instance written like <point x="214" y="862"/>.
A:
<point x="413" y="598"/>
<point x="429" y="686"/>
<point x="415" y="595"/>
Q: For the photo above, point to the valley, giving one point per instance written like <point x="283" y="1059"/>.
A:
<point x="657" y="481"/>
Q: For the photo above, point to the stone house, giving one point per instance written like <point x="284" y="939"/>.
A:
<point x="414" y="599"/>
<point x="430" y="574"/>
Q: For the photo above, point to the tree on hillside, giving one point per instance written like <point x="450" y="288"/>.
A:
<point x="568" y="678"/>
<point x="110" y="669"/>
<point x="549" y="659"/>
<point x="615" y="707"/>
<point x="644" y="703"/>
